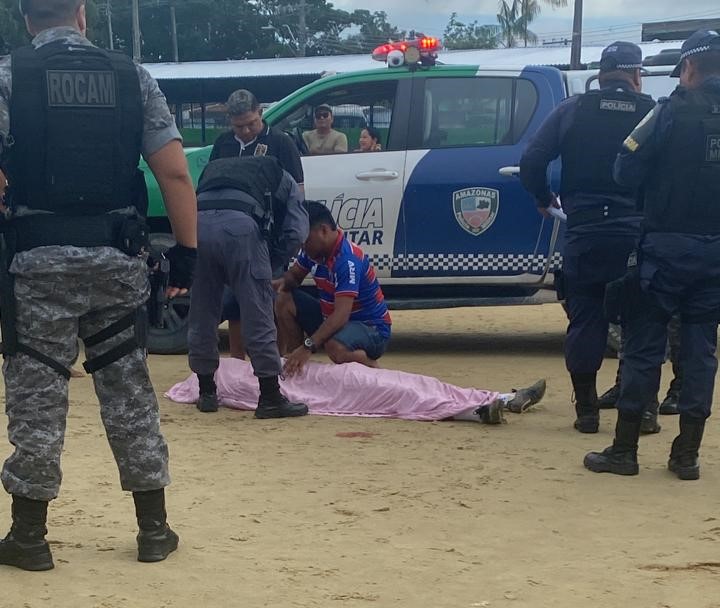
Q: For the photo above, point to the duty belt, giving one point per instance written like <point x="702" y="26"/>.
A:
<point x="129" y="234"/>
<point x="29" y="232"/>
<point x="599" y="214"/>
<point x="42" y="230"/>
<point x="240" y="201"/>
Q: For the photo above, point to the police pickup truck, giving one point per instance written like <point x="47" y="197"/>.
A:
<point x="439" y="209"/>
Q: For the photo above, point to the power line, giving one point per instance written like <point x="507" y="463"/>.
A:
<point x="624" y="26"/>
<point x="610" y="28"/>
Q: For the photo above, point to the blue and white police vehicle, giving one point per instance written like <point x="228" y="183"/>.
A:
<point x="439" y="208"/>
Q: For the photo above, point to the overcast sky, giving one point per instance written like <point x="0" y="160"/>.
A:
<point x="605" y="20"/>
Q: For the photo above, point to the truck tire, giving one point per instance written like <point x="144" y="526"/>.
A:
<point x="171" y="338"/>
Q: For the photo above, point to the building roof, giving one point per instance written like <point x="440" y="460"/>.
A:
<point x="675" y="30"/>
<point x="259" y="68"/>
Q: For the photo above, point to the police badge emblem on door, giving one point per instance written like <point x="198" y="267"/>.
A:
<point x="476" y="208"/>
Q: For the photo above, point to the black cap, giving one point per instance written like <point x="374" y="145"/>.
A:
<point x="323" y="108"/>
<point x="701" y="41"/>
<point x="621" y="56"/>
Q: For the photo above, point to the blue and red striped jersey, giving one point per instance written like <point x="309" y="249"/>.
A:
<point x="348" y="272"/>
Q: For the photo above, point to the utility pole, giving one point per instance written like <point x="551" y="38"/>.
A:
<point x="576" y="36"/>
<point x="302" y="28"/>
<point x="136" y="30"/>
<point x="108" y="11"/>
<point x="173" y="33"/>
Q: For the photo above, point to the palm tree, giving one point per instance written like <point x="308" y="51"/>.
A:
<point x="516" y="15"/>
<point x="509" y="21"/>
<point x="529" y="10"/>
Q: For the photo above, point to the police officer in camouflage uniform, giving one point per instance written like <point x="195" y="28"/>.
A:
<point x="74" y="120"/>
<point x="603" y="224"/>
<point x="669" y="406"/>
<point x="251" y="219"/>
<point x="674" y="154"/>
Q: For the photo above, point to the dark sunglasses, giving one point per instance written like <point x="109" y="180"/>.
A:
<point x="322" y="114"/>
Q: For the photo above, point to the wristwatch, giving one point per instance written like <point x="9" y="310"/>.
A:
<point x="310" y="345"/>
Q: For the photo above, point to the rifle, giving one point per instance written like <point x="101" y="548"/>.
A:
<point x="157" y="303"/>
<point x="7" y="295"/>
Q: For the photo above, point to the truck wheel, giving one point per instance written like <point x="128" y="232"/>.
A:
<point x="170" y="337"/>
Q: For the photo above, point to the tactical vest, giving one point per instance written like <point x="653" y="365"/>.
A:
<point x="603" y="119"/>
<point x="256" y="181"/>
<point x="683" y="192"/>
<point x="76" y="125"/>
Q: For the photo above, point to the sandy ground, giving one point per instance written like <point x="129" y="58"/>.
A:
<point x="447" y="514"/>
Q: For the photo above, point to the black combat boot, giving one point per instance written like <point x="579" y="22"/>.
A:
<point x="25" y="546"/>
<point x="685" y="449"/>
<point x="208" y="401"/>
<point x="273" y="404"/>
<point x="621" y="457"/>
<point x="669" y="406"/>
<point x="588" y="415"/>
<point x="649" y="424"/>
<point x="609" y="398"/>
<point x="155" y="539"/>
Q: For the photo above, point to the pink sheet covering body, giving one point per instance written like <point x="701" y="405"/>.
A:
<point x="344" y="390"/>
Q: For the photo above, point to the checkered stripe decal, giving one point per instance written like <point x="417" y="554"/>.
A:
<point x="382" y="262"/>
<point x="455" y="262"/>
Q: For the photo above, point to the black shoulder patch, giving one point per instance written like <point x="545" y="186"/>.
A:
<point x="616" y="105"/>
<point x="81" y="88"/>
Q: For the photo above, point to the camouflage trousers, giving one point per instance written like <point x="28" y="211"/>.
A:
<point x="673" y="349"/>
<point x="62" y="294"/>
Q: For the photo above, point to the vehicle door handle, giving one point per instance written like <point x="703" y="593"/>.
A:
<point x="509" y="171"/>
<point x="380" y="174"/>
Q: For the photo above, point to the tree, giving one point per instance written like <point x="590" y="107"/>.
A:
<point x="222" y="29"/>
<point x="206" y="30"/>
<point x="510" y="22"/>
<point x="324" y="24"/>
<point x="12" y="26"/>
<point x="375" y="29"/>
<point x="515" y="16"/>
<point x="471" y="36"/>
<point x="530" y="10"/>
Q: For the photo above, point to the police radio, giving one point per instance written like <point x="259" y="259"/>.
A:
<point x="268" y="222"/>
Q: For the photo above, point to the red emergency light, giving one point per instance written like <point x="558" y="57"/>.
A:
<point x="428" y="47"/>
<point x="429" y="44"/>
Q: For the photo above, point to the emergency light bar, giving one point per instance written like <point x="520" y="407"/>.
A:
<point x="423" y="49"/>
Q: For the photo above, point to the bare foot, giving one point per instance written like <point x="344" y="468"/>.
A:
<point x="76" y="373"/>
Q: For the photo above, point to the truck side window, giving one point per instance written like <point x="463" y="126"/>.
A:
<point x="480" y="111"/>
<point x="353" y="107"/>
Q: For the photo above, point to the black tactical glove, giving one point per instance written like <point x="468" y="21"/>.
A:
<point x="182" y="266"/>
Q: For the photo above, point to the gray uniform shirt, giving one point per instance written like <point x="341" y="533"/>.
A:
<point x="158" y="128"/>
<point x="295" y="226"/>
